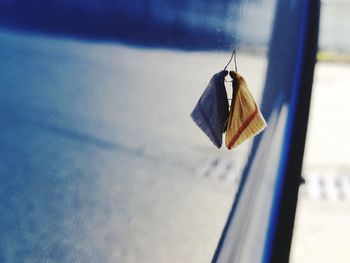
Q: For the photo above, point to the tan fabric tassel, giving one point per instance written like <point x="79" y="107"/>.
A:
<point x="245" y="120"/>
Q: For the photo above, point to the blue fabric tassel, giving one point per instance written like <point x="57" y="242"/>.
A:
<point x="212" y="110"/>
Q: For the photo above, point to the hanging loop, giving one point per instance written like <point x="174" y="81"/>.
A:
<point x="233" y="55"/>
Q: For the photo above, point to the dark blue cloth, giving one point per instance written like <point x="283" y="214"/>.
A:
<point x="212" y="110"/>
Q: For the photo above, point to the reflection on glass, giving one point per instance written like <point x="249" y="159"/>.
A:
<point x="100" y="160"/>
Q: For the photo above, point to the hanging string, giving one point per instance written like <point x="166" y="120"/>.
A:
<point x="233" y="55"/>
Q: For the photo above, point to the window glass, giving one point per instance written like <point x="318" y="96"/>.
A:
<point x="99" y="158"/>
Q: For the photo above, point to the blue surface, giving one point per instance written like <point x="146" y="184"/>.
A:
<point x="99" y="158"/>
<point x="285" y="154"/>
<point x="260" y="224"/>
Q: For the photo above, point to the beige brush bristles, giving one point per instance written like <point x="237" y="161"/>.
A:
<point x="245" y="120"/>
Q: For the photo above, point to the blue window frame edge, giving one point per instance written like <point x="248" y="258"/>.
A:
<point x="280" y="230"/>
<point x="282" y="214"/>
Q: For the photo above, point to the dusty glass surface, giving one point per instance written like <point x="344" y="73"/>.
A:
<point x="99" y="158"/>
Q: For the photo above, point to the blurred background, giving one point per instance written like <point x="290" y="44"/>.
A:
<point x="184" y="23"/>
<point x="99" y="159"/>
<point x="322" y="227"/>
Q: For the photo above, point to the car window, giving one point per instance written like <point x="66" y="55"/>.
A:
<point x="100" y="160"/>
